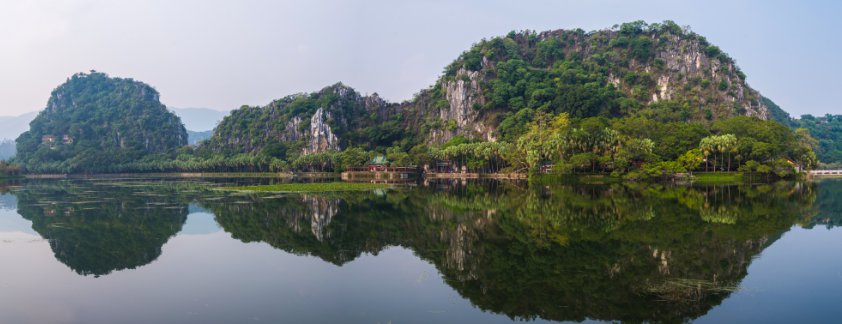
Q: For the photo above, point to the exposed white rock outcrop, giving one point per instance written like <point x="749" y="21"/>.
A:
<point x="461" y="116"/>
<point x="293" y="130"/>
<point x="685" y="59"/>
<point x="321" y="137"/>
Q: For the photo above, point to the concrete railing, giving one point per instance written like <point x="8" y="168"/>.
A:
<point x="826" y="172"/>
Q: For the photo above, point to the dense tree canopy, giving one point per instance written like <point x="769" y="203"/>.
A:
<point x="827" y="130"/>
<point x="95" y="123"/>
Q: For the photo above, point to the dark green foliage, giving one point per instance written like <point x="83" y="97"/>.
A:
<point x="723" y="85"/>
<point x="276" y="150"/>
<point x="515" y="124"/>
<point x="828" y="131"/>
<point x="671" y="138"/>
<point x="641" y="48"/>
<point x="565" y="87"/>
<point x="609" y="73"/>
<point x="776" y="113"/>
<point x="286" y="121"/>
<point x="94" y="123"/>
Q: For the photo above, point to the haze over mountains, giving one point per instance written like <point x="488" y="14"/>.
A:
<point x="199" y="119"/>
<point x="12" y="126"/>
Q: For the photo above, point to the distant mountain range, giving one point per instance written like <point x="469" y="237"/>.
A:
<point x="12" y="126"/>
<point x="194" y="138"/>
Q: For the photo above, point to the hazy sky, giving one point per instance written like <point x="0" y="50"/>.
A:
<point x="223" y="54"/>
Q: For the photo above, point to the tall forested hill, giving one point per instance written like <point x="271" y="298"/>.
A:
<point x="493" y="90"/>
<point x="93" y="123"/>
<point x="333" y="118"/>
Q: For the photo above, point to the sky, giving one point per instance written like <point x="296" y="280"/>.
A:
<point x="223" y="54"/>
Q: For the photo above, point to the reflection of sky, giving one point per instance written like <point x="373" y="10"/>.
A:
<point x="10" y="220"/>
<point x="216" y="279"/>
<point x="796" y="280"/>
<point x="8" y="202"/>
<point x="199" y="221"/>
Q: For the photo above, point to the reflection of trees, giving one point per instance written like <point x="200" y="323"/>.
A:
<point x="562" y="253"/>
<point x="619" y="253"/>
<point x="307" y="224"/>
<point x="98" y="228"/>
<point x="828" y="205"/>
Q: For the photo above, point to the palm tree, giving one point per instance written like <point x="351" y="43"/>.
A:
<point x="706" y="147"/>
<point x="729" y="143"/>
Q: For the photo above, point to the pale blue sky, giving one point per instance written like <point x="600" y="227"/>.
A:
<point x="222" y="54"/>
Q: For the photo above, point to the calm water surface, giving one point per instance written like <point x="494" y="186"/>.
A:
<point x="155" y="251"/>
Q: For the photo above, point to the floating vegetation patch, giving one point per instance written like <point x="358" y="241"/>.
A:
<point x="310" y="187"/>
<point x="87" y="202"/>
<point x="690" y="290"/>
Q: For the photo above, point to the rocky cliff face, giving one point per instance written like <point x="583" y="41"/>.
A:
<point x="320" y="137"/>
<point x="685" y="60"/>
<point x="461" y="115"/>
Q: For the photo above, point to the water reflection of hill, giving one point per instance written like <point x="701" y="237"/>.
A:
<point x="558" y="253"/>
<point x="607" y="252"/>
<point x="98" y="228"/>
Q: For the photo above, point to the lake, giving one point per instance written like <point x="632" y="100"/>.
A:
<point x="178" y="251"/>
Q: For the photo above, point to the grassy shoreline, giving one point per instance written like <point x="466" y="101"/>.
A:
<point x="717" y="177"/>
<point x="584" y="178"/>
<point x="310" y="187"/>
